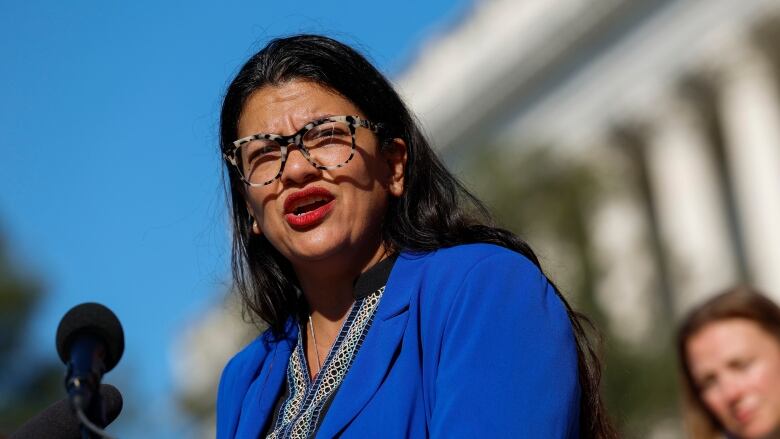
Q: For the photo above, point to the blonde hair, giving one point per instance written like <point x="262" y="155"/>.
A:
<point x="740" y="302"/>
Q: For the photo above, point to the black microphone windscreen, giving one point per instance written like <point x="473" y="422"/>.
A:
<point x="59" y="422"/>
<point x="97" y="320"/>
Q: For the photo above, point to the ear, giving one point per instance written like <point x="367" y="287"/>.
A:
<point x="395" y="155"/>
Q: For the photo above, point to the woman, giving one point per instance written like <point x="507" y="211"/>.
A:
<point x="729" y="349"/>
<point x="394" y="311"/>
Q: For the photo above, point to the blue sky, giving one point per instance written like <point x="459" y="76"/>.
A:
<point x="109" y="175"/>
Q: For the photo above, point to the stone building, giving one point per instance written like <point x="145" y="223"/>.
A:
<point x="675" y="101"/>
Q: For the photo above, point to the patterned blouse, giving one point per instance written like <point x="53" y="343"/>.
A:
<point x="304" y="403"/>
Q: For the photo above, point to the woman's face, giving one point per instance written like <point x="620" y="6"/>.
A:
<point x="311" y="215"/>
<point x="736" y="367"/>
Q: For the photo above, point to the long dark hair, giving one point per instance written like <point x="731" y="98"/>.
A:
<point x="740" y="302"/>
<point x="435" y="210"/>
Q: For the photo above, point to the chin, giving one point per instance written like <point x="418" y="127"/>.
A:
<point x="316" y="250"/>
<point x="760" y="431"/>
<point x="312" y="254"/>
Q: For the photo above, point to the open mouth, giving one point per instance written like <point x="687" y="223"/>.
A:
<point x="311" y="205"/>
<point x="308" y="207"/>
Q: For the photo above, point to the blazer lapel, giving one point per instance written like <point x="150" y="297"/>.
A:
<point x="375" y="355"/>
<point x="260" y="399"/>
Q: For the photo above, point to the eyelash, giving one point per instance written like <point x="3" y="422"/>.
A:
<point x="742" y="363"/>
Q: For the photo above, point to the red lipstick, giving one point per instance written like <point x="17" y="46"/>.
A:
<point x="308" y="207"/>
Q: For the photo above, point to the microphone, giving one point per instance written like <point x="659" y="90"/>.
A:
<point x="59" y="422"/>
<point x="90" y="341"/>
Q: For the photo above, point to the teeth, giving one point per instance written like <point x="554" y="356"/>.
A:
<point x="298" y="210"/>
<point x="311" y="201"/>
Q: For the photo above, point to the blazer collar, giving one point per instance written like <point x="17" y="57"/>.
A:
<point x="374" y="357"/>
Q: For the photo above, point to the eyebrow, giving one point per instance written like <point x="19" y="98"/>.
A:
<point x="320" y="117"/>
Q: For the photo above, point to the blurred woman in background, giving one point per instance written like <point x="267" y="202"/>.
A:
<point x="729" y="348"/>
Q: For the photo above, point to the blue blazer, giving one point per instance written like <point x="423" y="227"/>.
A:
<point x="467" y="341"/>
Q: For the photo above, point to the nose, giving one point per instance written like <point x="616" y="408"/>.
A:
<point x="297" y="169"/>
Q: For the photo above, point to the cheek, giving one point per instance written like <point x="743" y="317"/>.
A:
<point x="261" y="204"/>
<point x="713" y="401"/>
<point x="367" y="206"/>
<point x="764" y="375"/>
<point x="366" y="188"/>
<point x="365" y="173"/>
<point x="767" y="380"/>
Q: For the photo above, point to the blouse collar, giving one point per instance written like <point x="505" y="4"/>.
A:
<point x="374" y="278"/>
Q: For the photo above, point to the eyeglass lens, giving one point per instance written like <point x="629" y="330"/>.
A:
<point x="326" y="145"/>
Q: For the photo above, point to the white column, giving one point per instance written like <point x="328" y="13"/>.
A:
<point x="626" y="283"/>
<point x="690" y="208"/>
<point x="750" y="113"/>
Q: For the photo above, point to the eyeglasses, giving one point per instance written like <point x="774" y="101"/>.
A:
<point x="327" y="143"/>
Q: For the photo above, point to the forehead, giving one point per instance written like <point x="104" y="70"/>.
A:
<point x="286" y="107"/>
<point x="724" y="340"/>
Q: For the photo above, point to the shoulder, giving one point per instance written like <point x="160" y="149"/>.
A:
<point x="239" y="369"/>
<point x="484" y="305"/>
<point x="236" y="379"/>
<point x="468" y="252"/>
<point x="244" y="367"/>
<point x="257" y="347"/>
<point x="451" y="266"/>
<point x="483" y="274"/>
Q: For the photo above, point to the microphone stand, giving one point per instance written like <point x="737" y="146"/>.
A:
<point x="82" y="384"/>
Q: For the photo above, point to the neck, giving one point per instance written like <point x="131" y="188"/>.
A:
<point x="328" y="286"/>
<point x="328" y="289"/>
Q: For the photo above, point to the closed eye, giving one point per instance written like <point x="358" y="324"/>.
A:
<point x="333" y="131"/>
<point x="255" y="154"/>
<point x="740" y="363"/>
